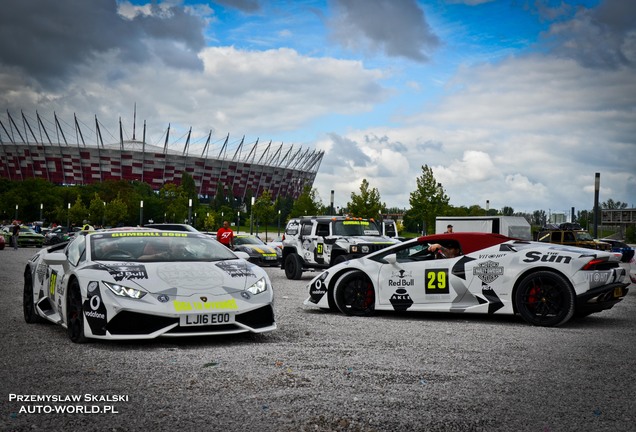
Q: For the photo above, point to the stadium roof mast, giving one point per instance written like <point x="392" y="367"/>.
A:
<point x="291" y="168"/>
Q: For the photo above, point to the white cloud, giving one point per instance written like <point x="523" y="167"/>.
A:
<point x="528" y="133"/>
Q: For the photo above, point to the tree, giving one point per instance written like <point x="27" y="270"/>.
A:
<point x="189" y="188"/>
<point x="507" y="211"/>
<point x="367" y="204"/>
<point x="539" y="218"/>
<point x="176" y="202"/>
<point x="308" y="203"/>
<point x="610" y="204"/>
<point x="78" y="212"/>
<point x="263" y="209"/>
<point x="116" y="212"/>
<point x="97" y="210"/>
<point x="427" y="202"/>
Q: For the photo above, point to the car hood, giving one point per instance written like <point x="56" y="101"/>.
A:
<point x="367" y="239"/>
<point x="219" y="277"/>
<point x="261" y="249"/>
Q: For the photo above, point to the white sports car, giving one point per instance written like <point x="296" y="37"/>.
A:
<point x="145" y="283"/>
<point x="546" y="284"/>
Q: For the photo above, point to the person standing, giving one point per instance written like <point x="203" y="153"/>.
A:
<point x="225" y="235"/>
<point x="15" y="231"/>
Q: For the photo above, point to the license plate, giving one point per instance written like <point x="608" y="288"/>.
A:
<point x="206" y="319"/>
<point x="270" y="258"/>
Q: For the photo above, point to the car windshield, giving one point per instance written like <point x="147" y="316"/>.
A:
<point x="156" y="246"/>
<point x="247" y="240"/>
<point x="584" y="236"/>
<point x="355" y="228"/>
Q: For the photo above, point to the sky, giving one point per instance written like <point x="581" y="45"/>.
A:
<point x="517" y="103"/>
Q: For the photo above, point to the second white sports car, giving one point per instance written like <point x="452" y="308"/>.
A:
<point x="144" y="283"/>
<point x="546" y="284"/>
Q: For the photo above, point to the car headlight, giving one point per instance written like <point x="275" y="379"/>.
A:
<point x="258" y="287"/>
<point x="123" y="291"/>
<point x="365" y="249"/>
<point x="354" y="248"/>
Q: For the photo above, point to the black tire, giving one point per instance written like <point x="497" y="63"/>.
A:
<point x="54" y="240"/>
<point x="545" y="299"/>
<point x="354" y="294"/>
<point x="28" y="301"/>
<point x="75" y="313"/>
<point x="293" y="266"/>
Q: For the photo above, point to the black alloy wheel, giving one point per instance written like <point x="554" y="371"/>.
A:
<point x="545" y="299"/>
<point x="354" y="294"/>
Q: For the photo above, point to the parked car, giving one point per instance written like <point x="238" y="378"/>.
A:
<point x="546" y="284"/>
<point x="142" y="284"/>
<point x="568" y="234"/>
<point x="619" y="246"/>
<point x="60" y="234"/>
<point x="27" y="237"/>
<point x="259" y="252"/>
<point x="277" y="242"/>
<point x="318" y="242"/>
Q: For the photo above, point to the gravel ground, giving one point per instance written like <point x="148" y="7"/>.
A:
<point x="326" y="372"/>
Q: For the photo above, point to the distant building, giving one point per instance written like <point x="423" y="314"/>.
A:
<point x="558" y="218"/>
<point x="251" y="168"/>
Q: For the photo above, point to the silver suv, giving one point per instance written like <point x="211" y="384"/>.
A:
<point x="318" y="242"/>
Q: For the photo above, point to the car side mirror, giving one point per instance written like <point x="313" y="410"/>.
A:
<point x="54" y="258"/>
<point x="391" y="259"/>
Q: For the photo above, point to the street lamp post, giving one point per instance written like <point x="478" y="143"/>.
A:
<point x="16" y="212"/>
<point x="41" y="208"/>
<point x="238" y="221"/>
<point x="331" y="207"/>
<point x="68" y="216"/>
<point x="279" y="223"/>
<point x="190" y="211"/>
<point x="252" y="217"/>
<point x="104" y="215"/>
<point x="141" y="213"/>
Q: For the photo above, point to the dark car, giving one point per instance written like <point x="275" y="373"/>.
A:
<point x="259" y="252"/>
<point x="622" y="247"/>
<point x="60" y="234"/>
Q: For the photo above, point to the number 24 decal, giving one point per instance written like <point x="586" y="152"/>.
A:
<point x="437" y="281"/>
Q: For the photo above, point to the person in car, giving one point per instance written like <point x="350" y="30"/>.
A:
<point x="445" y="252"/>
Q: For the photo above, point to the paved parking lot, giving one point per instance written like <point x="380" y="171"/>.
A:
<point x="324" y="372"/>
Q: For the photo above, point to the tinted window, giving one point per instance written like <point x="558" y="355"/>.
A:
<point x="76" y="249"/>
<point x="306" y="228"/>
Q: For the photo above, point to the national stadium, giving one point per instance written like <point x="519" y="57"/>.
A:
<point x="61" y="153"/>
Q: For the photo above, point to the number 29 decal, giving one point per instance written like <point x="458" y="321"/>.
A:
<point x="437" y="281"/>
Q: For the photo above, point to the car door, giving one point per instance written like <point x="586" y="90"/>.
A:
<point x="416" y="277"/>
